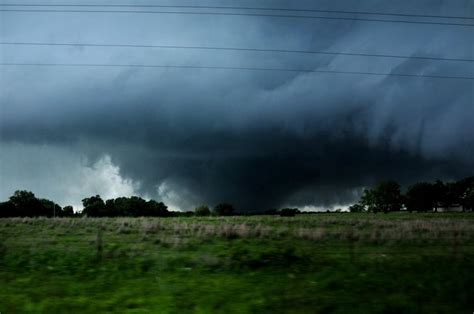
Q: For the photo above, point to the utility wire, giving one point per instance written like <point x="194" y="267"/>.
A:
<point x="236" y="8"/>
<point x="235" y="68"/>
<point x="239" y="49"/>
<point x="238" y="14"/>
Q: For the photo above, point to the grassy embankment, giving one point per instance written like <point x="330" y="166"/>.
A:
<point x="340" y="263"/>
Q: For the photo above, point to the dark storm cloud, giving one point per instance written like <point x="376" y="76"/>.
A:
<point x="256" y="139"/>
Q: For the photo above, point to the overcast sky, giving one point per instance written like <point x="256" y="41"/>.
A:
<point x="256" y="139"/>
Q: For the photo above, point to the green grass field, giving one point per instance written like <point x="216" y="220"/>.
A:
<point x="327" y="263"/>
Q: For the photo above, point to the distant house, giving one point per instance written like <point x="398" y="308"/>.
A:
<point x="450" y="208"/>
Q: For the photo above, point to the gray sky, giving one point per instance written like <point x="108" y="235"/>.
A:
<point x="255" y="139"/>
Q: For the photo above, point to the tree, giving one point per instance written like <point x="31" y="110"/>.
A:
<point x="94" y="206"/>
<point x="453" y="193"/>
<point x="157" y="209"/>
<point x="202" y="211"/>
<point x="7" y="209"/>
<point x="51" y="208"/>
<point x="124" y="206"/>
<point x="26" y="204"/>
<point x="138" y="207"/>
<point x="271" y="211"/>
<point x="385" y="197"/>
<point x="68" y="211"/>
<point x="224" y="209"/>
<point x="356" y="208"/>
<point x="468" y="199"/>
<point x="440" y="194"/>
<point x="130" y="207"/>
<point x="289" y="212"/>
<point x="368" y="200"/>
<point x="465" y="188"/>
<point x="421" y="197"/>
<point x="110" y="208"/>
<point x="134" y="207"/>
<point x="388" y="196"/>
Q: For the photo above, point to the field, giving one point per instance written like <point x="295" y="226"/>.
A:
<point x="325" y="263"/>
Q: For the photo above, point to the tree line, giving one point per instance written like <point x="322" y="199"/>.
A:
<point x="387" y="197"/>
<point x="26" y="204"/>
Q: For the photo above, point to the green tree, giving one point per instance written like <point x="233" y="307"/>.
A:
<point x="134" y="206"/>
<point x="68" y="211"/>
<point x="8" y="209"/>
<point x="384" y="197"/>
<point x="440" y="194"/>
<point x="51" y="208"/>
<point x="94" y="206"/>
<point x="368" y="200"/>
<point x="453" y="193"/>
<point x="356" y="208"/>
<point x="289" y="212"/>
<point x="468" y="200"/>
<point x="130" y="207"/>
<point x="26" y="204"/>
<point x="202" y="211"/>
<point x="421" y="197"/>
<point x="156" y="209"/>
<point x="388" y="196"/>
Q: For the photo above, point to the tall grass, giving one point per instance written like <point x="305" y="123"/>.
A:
<point x="373" y="229"/>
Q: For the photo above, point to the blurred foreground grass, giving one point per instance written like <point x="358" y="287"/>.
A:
<point x="327" y="263"/>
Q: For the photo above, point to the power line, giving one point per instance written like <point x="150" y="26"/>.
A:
<point x="237" y="8"/>
<point x="239" y="49"/>
<point x="239" y="14"/>
<point x="236" y="68"/>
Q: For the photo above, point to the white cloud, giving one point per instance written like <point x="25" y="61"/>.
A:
<point x="60" y="174"/>
<point x="177" y="198"/>
<point x="343" y="208"/>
